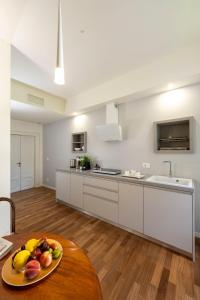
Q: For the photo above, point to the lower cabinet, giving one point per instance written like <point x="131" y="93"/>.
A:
<point x="100" y="197"/>
<point x="131" y="206"/>
<point x="168" y="217"/>
<point x="101" y="207"/>
<point x="69" y="188"/>
<point x="62" y="186"/>
<point x="161" y="214"/>
<point x="76" y="190"/>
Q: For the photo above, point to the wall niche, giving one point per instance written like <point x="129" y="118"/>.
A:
<point x="79" y="142"/>
<point x="174" y="135"/>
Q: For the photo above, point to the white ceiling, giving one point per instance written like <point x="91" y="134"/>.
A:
<point x="119" y="36"/>
<point x="32" y="113"/>
<point x="10" y="14"/>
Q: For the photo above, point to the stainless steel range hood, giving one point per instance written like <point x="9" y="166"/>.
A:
<point x="111" y="131"/>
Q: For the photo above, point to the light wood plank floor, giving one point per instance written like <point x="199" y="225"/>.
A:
<point x="128" y="266"/>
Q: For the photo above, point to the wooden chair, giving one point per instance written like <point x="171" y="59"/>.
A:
<point x="7" y="216"/>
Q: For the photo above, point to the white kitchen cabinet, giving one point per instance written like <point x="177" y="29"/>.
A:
<point x="101" y="207"/>
<point x="100" y="197"/>
<point x="168" y="217"/>
<point x="76" y="190"/>
<point x="62" y="186"/>
<point x="164" y="215"/>
<point x="101" y="183"/>
<point x="131" y="206"/>
<point x="101" y="193"/>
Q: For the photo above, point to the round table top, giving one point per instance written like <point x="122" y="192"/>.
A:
<point x="74" y="278"/>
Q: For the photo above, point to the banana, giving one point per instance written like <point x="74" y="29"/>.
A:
<point x="31" y="245"/>
<point x="21" y="259"/>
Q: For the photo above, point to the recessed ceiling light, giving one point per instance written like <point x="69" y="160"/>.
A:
<point x="82" y="31"/>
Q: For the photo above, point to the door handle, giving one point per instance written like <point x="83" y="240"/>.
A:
<point x="19" y="164"/>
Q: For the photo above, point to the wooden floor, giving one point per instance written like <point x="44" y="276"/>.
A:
<point x="128" y="266"/>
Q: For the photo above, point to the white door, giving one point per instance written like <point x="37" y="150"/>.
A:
<point x="22" y="162"/>
<point x="27" y="161"/>
<point x="15" y="163"/>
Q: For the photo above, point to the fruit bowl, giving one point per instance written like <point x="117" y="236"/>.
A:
<point x="23" y="270"/>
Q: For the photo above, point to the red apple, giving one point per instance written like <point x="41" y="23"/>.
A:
<point x="32" y="269"/>
<point x="31" y="273"/>
<point x="46" y="259"/>
<point x="33" y="264"/>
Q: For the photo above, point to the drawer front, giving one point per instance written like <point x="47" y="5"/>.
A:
<point x="100" y="207"/>
<point x="101" y="183"/>
<point x="99" y="192"/>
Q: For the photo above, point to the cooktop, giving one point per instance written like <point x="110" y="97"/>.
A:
<point x="107" y="171"/>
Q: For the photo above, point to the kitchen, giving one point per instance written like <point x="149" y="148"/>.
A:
<point x="152" y="217"/>
<point x="128" y="198"/>
<point x="101" y="150"/>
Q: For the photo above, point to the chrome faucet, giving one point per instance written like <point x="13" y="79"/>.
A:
<point x="170" y="166"/>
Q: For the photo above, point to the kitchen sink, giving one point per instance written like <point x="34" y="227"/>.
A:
<point x="183" y="182"/>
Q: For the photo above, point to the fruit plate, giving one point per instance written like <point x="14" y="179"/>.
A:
<point x="14" y="278"/>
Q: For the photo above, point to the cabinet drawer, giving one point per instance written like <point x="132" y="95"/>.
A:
<point x="101" y="183"/>
<point x="100" y="207"/>
<point x="99" y="192"/>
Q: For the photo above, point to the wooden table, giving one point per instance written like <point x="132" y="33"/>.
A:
<point x="74" y="278"/>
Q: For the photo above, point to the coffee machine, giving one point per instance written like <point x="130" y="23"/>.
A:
<point x="78" y="162"/>
<point x="72" y="163"/>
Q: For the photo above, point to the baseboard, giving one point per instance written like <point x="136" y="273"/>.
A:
<point x="49" y="187"/>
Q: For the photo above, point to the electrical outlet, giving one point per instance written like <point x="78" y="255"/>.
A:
<point x="146" y="165"/>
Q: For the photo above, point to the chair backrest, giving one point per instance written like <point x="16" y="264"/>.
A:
<point x="7" y="216"/>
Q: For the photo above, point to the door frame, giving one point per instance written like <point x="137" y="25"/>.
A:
<point x="38" y="155"/>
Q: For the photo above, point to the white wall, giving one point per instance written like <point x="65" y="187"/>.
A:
<point x="36" y="130"/>
<point x="181" y="66"/>
<point x="5" y="118"/>
<point x="137" y="119"/>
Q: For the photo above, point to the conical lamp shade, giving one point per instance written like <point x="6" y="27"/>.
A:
<point x="59" y="76"/>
